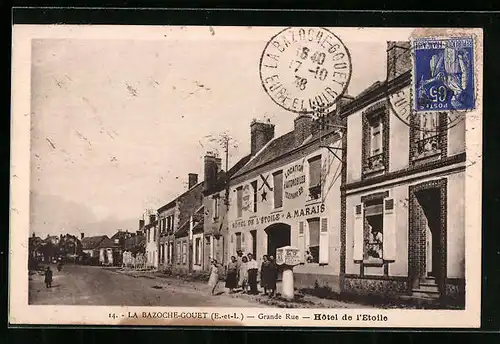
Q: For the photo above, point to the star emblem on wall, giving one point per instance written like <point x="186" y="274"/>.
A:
<point x="264" y="195"/>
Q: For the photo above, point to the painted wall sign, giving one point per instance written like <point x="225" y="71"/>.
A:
<point x="294" y="178"/>
<point x="276" y="217"/>
<point x="288" y="255"/>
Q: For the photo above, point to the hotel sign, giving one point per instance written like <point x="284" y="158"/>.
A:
<point x="294" y="180"/>
<point x="281" y="216"/>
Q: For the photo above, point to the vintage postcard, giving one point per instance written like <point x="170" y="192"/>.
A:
<point x="246" y="176"/>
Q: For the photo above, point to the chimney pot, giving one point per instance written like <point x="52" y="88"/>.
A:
<point x="398" y="58"/>
<point x="82" y="235"/>
<point x="192" y="180"/>
<point x="303" y="124"/>
<point x="212" y="167"/>
<point x="260" y="134"/>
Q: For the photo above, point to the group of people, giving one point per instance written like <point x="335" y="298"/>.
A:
<point x="242" y="272"/>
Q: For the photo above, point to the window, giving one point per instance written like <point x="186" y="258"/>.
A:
<point x="278" y="189"/>
<point x="154" y="233"/>
<point x="164" y="227"/>
<point x="315" y="177"/>
<point x="178" y="253"/>
<point x="149" y="235"/>
<point x="254" y="188"/>
<point x="238" y="241"/>
<point x="312" y="254"/>
<point x="239" y="201"/>
<point x="184" y="253"/>
<point x="216" y="207"/>
<point x="162" y="254"/>
<point x="375" y="136"/>
<point x="428" y="137"/>
<point x="197" y="251"/>
<point x="374" y="227"/>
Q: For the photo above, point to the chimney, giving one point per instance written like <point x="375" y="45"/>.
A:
<point x="82" y="235"/>
<point x="303" y="124"/>
<point x="212" y="166"/>
<point x="260" y="134"/>
<point x="33" y="235"/>
<point x="192" y="180"/>
<point x="398" y="58"/>
<point x="141" y="224"/>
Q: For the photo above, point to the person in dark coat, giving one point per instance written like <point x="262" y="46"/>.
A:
<point x="48" y="277"/>
<point x="264" y="274"/>
<point x="232" y="274"/>
<point x="253" y="270"/>
<point x="272" y="276"/>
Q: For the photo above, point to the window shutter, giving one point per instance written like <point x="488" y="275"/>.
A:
<point x="358" y="233"/>
<point x="389" y="233"/>
<point x="249" y="243"/>
<point x="301" y="243"/>
<point x="324" y="245"/>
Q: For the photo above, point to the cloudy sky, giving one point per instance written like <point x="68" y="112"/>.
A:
<point x="117" y="124"/>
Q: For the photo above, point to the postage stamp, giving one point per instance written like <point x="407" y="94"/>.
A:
<point x="444" y="74"/>
<point x="154" y="185"/>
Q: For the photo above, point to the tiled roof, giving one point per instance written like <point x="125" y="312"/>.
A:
<point x="90" y="243"/>
<point x="283" y="145"/>
<point x="274" y="149"/>
<point x="108" y="243"/>
<point x="184" y="228"/>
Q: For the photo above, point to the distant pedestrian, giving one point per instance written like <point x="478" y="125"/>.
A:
<point x="272" y="276"/>
<point x="253" y="270"/>
<point x="213" y="281"/>
<point x="232" y="274"/>
<point x="264" y="275"/>
<point x="48" y="277"/>
<point x="243" y="274"/>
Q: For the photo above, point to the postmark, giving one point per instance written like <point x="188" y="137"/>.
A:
<point x="303" y="69"/>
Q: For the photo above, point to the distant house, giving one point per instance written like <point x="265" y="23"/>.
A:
<point x="110" y="252"/>
<point x="90" y="245"/>
<point x="35" y="245"/>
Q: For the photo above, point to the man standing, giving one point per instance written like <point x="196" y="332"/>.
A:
<point x="252" y="274"/>
<point x="48" y="277"/>
<point x="239" y="256"/>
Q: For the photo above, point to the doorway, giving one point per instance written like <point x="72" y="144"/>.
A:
<point x="278" y="235"/>
<point x="429" y="201"/>
<point x="427" y="242"/>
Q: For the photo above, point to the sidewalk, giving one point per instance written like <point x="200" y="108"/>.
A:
<point x="301" y="300"/>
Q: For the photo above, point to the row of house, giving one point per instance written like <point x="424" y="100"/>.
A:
<point x="374" y="204"/>
<point x="115" y="251"/>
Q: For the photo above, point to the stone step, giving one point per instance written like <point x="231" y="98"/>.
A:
<point x="425" y="294"/>
<point x="429" y="287"/>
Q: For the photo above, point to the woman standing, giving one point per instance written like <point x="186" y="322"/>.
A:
<point x="272" y="271"/>
<point x="232" y="274"/>
<point x="213" y="281"/>
<point x="264" y="273"/>
<point x="243" y="274"/>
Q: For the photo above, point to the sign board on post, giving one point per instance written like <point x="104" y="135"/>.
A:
<point x="288" y="255"/>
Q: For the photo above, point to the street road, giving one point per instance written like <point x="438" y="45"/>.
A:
<point x="91" y="285"/>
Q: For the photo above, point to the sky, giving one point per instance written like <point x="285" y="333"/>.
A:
<point x="117" y="124"/>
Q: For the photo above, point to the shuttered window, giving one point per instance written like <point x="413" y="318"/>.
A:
<point x="314" y="234"/>
<point x="278" y="189"/>
<point x="324" y="245"/>
<point x="389" y="230"/>
<point x="301" y="243"/>
<point x="238" y="241"/>
<point x="358" y="233"/>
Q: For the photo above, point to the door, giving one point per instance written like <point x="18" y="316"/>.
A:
<point x="254" y="242"/>
<point x="278" y="235"/>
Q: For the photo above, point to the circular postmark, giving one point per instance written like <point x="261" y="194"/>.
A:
<point x="423" y="104"/>
<point x="303" y="69"/>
